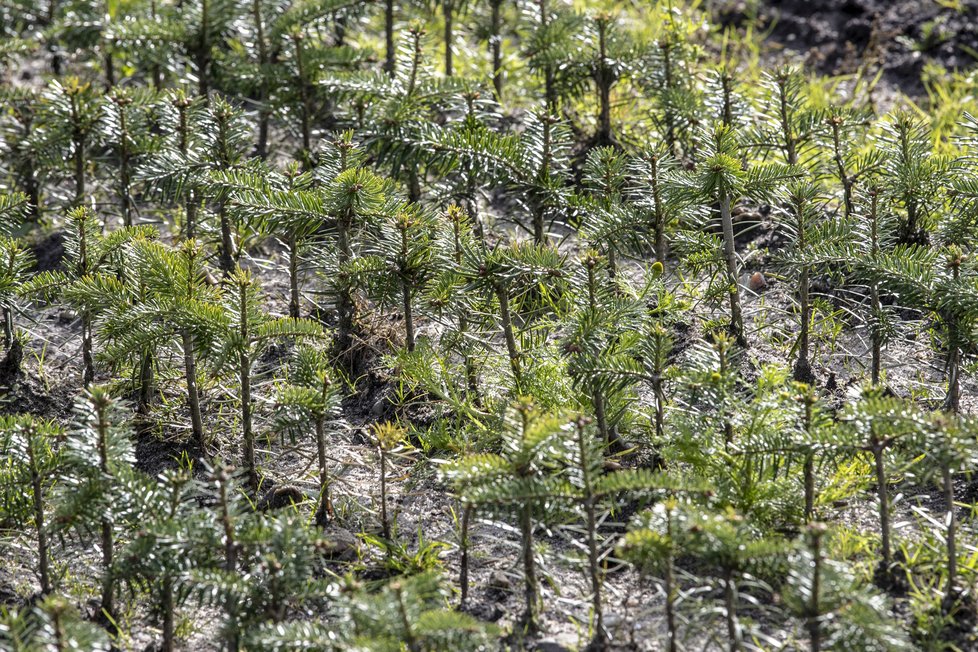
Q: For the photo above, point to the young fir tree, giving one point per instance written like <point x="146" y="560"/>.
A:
<point x="408" y="612"/>
<point x="938" y="281"/>
<point x="843" y="127"/>
<point x="125" y="129"/>
<point x="607" y="222"/>
<point x="173" y="539"/>
<point x="875" y="425"/>
<point x="611" y="56"/>
<point x="602" y="346"/>
<point x="451" y="306"/>
<point x="23" y="145"/>
<point x="394" y="115"/>
<point x="282" y="206"/>
<point x="96" y="265"/>
<point x="551" y="42"/>
<point x="177" y="311"/>
<point x="16" y="262"/>
<point x="400" y="262"/>
<point x="171" y="173"/>
<point x="69" y="117"/>
<point x="594" y="492"/>
<point x="653" y="544"/>
<point x="311" y="393"/>
<point x="913" y="176"/>
<point x="390" y="441"/>
<point x="53" y="624"/>
<point x="521" y="478"/>
<point x="721" y="180"/>
<point x="96" y="488"/>
<point x="219" y="584"/>
<point x="33" y="461"/>
<point x="837" y="610"/>
<point x="252" y="331"/>
<point x="521" y="282"/>
<point x="804" y="222"/>
<point x="279" y="570"/>
<point x="670" y="79"/>
<point x="730" y="547"/>
<point x="354" y="199"/>
<point x="949" y="448"/>
<point x="647" y="190"/>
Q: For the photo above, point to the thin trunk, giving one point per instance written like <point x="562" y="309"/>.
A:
<point x="389" y="37"/>
<point x="8" y="327"/>
<point x="600" y="641"/>
<point x="539" y="211"/>
<point x="293" y="277"/>
<point x="203" y="53"/>
<point x="406" y="286"/>
<point x="408" y="315"/>
<point x="531" y="591"/>
<point x="733" y="280"/>
<point x="109" y="63"/>
<point x="884" y="508"/>
<point x="345" y="305"/>
<point x="384" y="522"/>
<point x="809" y="473"/>
<point x="730" y="610"/>
<point x="192" y="205"/>
<point x="227" y="240"/>
<point x="672" y="644"/>
<point x="125" y="200"/>
<point x="604" y="82"/>
<point x="230" y="564"/>
<point x="324" y="511"/>
<point x="37" y="491"/>
<point x="952" y="402"/>
<point x="549" y="76"/>
<point x="168" y="615"/>
<point x="874" y="293"/>
<point x="305" y="108"/>
<point x="814" y="622"/>
<point x="507" y="324"/>
<point x="496" y="47"/>
<point x="107" y="544"/>
<point x="463" y="571"/>
<point x="448" y="8"/>
<point x="840" y="165"/>
<point x="156" y="71"/>
<point x="190" y="368"/>
<point x="803" y="368"/>
<point x="659" y="227"/>
<point x="88" y="357"/>
<point x="670" y="118"/>
<point x="950" y="536"/>
<point x="79" y="159"/>
<point x="145" y="382"/>
<point x="244" y="371"/>
<point x="263" y="92"/>
<point x="108" y="586"/>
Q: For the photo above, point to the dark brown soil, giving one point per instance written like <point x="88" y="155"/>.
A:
<point x="900" y="36"/>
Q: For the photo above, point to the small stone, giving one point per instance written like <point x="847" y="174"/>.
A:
<point x="498" y="581"/>
<point x="757" y="282"/>
<point x="550" y="646"/>
<point x="279" y="497"/>
<point x="339" y="544"/>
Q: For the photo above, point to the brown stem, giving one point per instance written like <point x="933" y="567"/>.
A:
<point x="193" y="398"/>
